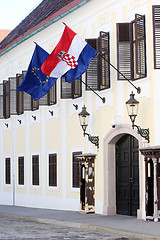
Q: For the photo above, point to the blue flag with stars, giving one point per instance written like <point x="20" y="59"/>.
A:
<point x="35" y="82"/>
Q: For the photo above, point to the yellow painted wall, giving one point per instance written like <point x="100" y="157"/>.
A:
<point x="62" y="133"/>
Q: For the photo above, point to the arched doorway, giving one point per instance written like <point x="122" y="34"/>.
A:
<point x="110" y="141"/>
<point x="127" y="175"/>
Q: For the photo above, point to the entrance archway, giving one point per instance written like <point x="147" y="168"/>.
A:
<point x="127" y="175"/>
<point x="109" y="146"/>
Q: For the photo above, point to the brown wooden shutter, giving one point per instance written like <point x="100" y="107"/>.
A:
<point x="71" y="90"/>
<point x="8" y="171"/>
<point x="124" y="50"/>
<point x="44" y="100"/>
<point x="103" y="65"/>
<point x="91" y="73"/>
<point x="140" y="47"/>
<point x="21" y="170"/>
<point x="66" y="89"/>
<point x="156" y="35"/>
<point x="53" y="170"/>
<point x="6" y="99"/>
<point x="35" y="170"/>
<point x="34" y="104"/>
<point x="52" y="95"/>
<point x="77" y="88"/>
<point x="50" y="98"/>
<point x="75" y="170"/>
<point x="20" y="95"/>
<point x="13" y="95"/>
<point x="29" y="103"/>
<point x="1" y="101"/>
<point x="27" y="97"/>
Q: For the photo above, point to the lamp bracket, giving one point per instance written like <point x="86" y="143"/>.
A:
<point x="144" y="132"/>
<point x="93" y="139"/>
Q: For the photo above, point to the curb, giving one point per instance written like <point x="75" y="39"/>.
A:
<point x="104" y="229"/>
<point x="84" y="226"/>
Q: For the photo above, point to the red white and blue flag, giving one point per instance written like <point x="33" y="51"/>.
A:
<point x="70" y="58"/>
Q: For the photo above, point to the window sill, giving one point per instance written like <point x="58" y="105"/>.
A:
<point x="52" y="188"/>
<point x="75" y="189"/>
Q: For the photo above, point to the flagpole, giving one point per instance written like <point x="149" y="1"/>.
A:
<point x="102" y="98"/>
<point x="138" y="89"/>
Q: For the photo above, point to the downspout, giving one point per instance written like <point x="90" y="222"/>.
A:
<point x="45" y="26"/>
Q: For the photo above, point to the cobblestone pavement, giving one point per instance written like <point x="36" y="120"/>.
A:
<point x="22" y="229"/>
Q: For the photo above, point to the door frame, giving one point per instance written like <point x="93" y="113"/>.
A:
<point x="109" y="143"/>
<point x="130" y="180"/>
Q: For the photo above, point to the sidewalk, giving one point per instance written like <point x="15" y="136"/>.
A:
<point x="126" y="225"/>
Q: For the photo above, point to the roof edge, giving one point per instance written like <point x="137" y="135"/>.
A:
<point x="45" y="26"/>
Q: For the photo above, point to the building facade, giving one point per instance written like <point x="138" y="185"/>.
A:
<point x="39" y="140"/>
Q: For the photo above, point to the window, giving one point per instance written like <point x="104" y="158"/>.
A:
<point x="15" y="102"/>
<point x="20" y="170"/>
<point x="75" y="170"/>
<point x="35" y="170"/>
<point x="98" y="72"/>
<point x="71" y="90"/>
<point x="8" y="171"/>
<point x="131" y="49"/>
<point x="53" y="170"/>
<point x="156" y="35"/>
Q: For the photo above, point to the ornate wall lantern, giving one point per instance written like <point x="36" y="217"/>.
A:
<point x="132" y="109"/>
<point x="83" y="118"/>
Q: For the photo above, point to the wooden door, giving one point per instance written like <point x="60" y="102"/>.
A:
<point x="127" y="176"/>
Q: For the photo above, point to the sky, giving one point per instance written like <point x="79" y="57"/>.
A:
<point x="12" y="12"/>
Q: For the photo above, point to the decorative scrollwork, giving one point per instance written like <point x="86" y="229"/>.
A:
<point x="93" y="139"/>
<point x="144" y="132"/>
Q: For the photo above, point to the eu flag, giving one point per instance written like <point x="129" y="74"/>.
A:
<point x="35" y="82"/>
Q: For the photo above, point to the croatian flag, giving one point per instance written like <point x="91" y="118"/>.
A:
<point x="70" y="58"/>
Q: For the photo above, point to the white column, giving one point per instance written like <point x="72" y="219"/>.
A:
<point x="27" y="157"/>
<point x="14" y="160"/>
<point x="155" y="190"/>
<point x="43" y="151"/>
<point x="1" y="159"/>
<point x="64" y="152"/>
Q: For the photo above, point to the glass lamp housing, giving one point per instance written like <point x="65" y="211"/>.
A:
<point x="83" y="118"/>
<point x="132" y="107"/>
